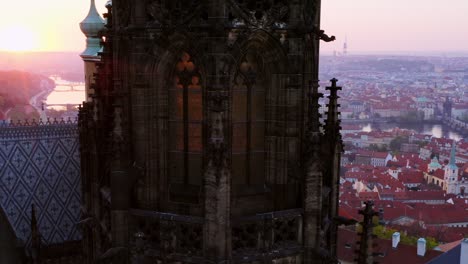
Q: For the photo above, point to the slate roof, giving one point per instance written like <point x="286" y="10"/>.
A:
<point x="40" y="165"/>
<point x="450" y="257"/>
<point x="449" y="246"/>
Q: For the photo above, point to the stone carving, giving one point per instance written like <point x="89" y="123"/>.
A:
<point x="164" y="234"/>
<point x="222" y="135"/>
<point x="123" y="9"/>
<point x="260" y="14"/>
<point x="217" y="144"/>
<point x="273" y="233"/>
<point x="310" y="11"/>
<point x="173" y="13"/>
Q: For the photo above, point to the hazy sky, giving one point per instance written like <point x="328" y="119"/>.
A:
<point x="370" y="25"/>
<point x="44" y="25"/>
<point x="397" y="25"/>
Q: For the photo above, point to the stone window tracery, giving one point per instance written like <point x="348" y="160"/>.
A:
<point x="248" y="122"/>
<point x="185" y="122"/>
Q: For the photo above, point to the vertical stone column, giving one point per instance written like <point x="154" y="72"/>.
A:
<point x="313" y="230"/>
<point x="217" y="176"/>
<point x="333" y="148"/>
<point x="365" y="245"/>
<point x="313" y="178"/>
<point x="139" y="12"/>
<point x="119" y="179"/>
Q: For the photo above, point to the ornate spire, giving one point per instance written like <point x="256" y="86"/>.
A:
<point x="313" y="122"/>
<point x="345" y="46"/>
<point x="332" y="124"/>
<point x="365" y="245"/>
<point x="453" y="165"/>
<point x="314" y="106"/>
<point x="91" y="26"/>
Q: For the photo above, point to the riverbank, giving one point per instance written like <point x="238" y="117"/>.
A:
<point x="435" y="129"/>
<point x="383" y="121"/>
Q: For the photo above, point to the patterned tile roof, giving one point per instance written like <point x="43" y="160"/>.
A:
<point x="40" y="165"/>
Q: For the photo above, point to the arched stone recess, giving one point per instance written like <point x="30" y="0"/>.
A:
<point x="311" y="13"/>
<point x="265" y="106"/>
<point x="177" y="83"/>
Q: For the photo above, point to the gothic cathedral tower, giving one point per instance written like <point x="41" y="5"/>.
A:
<point x="202" y="141"/>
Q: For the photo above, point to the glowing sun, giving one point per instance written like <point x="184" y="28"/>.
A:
<point x="17" y="38"/>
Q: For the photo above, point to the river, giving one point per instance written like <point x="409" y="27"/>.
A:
<point x="435" y="130"/>
<point x="63" y="95"/>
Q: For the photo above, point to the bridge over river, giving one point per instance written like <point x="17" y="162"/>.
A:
<point x="457" y="125"/>
<point x="67" y="87"/>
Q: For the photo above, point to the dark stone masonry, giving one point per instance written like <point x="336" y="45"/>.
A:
<point x="201" y="139"/>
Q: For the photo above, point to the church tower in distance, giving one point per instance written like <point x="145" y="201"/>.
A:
<point x="202" y="141"/>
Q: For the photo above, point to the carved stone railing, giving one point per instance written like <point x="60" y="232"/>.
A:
<point x="267" y="236"/>
<point x="172" y="237"/>
<point x="39" y="122"/>
<point x="26" y="129"/>
<point x="165" y="236"/>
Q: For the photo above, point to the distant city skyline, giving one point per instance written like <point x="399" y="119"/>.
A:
<point x="416" y="27"/>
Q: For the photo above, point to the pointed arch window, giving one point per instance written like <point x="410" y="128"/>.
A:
<point x="248" y="122"/>
<point x="185" y="123"/>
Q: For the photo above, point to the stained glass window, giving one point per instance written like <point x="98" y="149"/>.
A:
<point x="185" y="123"/>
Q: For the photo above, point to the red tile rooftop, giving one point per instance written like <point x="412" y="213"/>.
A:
<point x="448" y="246"/>
<point x="446" y="142"/>
<point x="402" y="254"/>
<point x="350" y="127"/>
<point x="424" y="196"/>
<point x="439" y="173"/>
<point x="369" y="196"/>
<point x="411" y="177"/>
<point x="372" y="154"/>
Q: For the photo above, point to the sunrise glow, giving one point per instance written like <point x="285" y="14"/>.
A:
<point x="18" y="38"/>
<point x="44" y="26"/>
<point x="405" y="25"/>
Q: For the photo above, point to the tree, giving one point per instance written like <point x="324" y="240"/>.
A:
<point x="387" y="233"/>
<point x="413" y="116"/>
<point x="379" y="148"/>
<point x="396" y="143"/>
<point x="18" y="113"/>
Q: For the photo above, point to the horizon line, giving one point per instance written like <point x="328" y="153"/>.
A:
<point x="439" y="53"/>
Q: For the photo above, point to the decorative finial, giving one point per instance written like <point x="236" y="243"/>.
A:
<point x="91" y="26"/>
<point x="93" y="23"/>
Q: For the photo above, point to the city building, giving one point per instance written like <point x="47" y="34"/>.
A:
<point x="447" y="177"/>
<point x="202" y="141"/>
<point x="385" y="251"/>
<point x="377" y="159"/>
